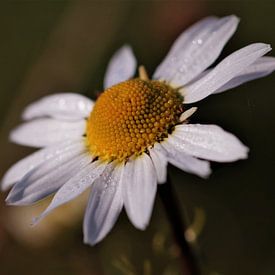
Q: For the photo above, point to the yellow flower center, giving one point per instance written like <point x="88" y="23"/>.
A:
<point x="132" y="116"/>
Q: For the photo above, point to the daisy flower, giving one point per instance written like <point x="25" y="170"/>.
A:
<point x="121" y="144"/>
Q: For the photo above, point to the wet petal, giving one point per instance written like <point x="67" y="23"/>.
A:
<point x="105" y="205"/>
<point x="74" y="187"/>
<point x="33" y="188"/>
<point x="22" y="167"/>
<point x="208" y="142"/>
<point x="45" y="132"/>
<point x="196" y="49"/>
<point x="61" y="106"/>
<point x="185" y="162"/>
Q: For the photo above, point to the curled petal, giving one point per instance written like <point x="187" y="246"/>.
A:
<point x="260" y="68"/>
<point x="24" y="166"/>
<point x="160" y="163"/>
<point x="225" y="71"/>
<point x="184" y="161"/>
<point x="105" y="205"/>
<point x="37" y="185"/>
<point x="74" y="186"/>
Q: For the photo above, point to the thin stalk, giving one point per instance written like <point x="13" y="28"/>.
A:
<point x="179" y="227"/>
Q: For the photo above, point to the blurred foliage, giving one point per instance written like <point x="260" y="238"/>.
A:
<point x="57" y="46"/>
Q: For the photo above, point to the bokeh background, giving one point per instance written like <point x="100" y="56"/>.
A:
<point x="64" y="46"/>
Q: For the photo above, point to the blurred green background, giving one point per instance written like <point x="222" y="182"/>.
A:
<point x="64" y="46"/>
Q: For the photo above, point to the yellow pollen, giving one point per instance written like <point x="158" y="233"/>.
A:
<point x="132" y="116"/>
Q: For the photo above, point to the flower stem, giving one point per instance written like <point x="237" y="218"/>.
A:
<point x="179" y="227"/>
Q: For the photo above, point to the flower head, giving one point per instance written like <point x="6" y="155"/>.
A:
<point x="130" y="117"/>
<point x="121" y="144"/>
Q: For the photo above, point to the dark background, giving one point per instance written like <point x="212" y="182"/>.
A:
<point x="64" y="46"/>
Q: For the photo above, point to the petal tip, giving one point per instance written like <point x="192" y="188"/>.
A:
<point x="140" y="226"/>
<point x="265" y="46"/>
<point x="5" y="184"/>
<point x="126" y="47"/>
<point x="92" y="240"/>
<point x="12" y="135"/>
<point x="26" y="115"/>
<point x="35" y="221"/>
<point x="11" y="201"/>
<point x="245" y="152"/>
<point x="8" y="201"/>
<point x="206" y="173"/>
<point x="234" y="18"/>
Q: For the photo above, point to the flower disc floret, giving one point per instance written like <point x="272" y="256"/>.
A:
<point x="130" y="117"/>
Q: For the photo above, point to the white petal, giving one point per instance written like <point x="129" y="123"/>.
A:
<point x="44" y="132"/>
<point x="227" y="69"/>
<point x="160" y="164"/>
<point x="208" y="142"/>
<point x="260" y="68"/>
<point x="185" y="162"/>
<point x="32" y="189"/>
<point x="74" y="187"/>
<point x="62" y="106"/>
<point x="28" y="192"/>
<point x="22" y="167"/>
<point x="166" y="68"/>
<point x="196" y="49"/>
<point x="139" y="190"/>
<point x="105" y="205"/>
<point x="122" y="66"/>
